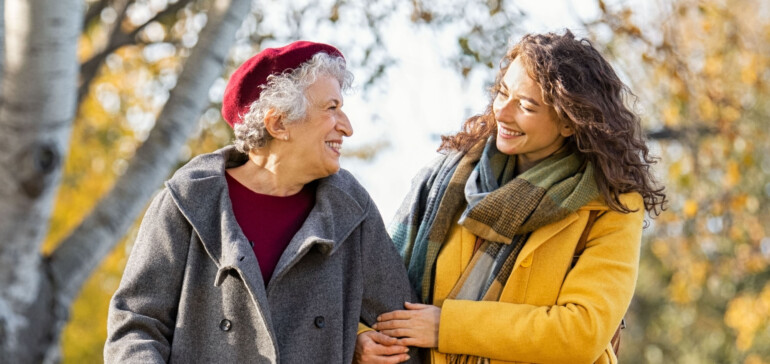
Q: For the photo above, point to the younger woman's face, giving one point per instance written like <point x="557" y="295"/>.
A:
<point x="526" y="126"/>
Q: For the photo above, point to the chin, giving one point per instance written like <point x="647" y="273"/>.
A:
<point x="504" y="148"/>
<point x="332" y="170"/>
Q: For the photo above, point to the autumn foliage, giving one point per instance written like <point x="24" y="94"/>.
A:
<point x="701" y="71"/>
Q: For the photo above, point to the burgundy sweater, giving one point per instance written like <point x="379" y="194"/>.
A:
<point x="269" y="222"/>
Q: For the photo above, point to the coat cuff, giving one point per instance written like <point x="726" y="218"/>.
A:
<point x="450" y="327"/>
<point x="362" y="328"/>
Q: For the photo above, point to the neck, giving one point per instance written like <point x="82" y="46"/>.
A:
<point x="523" y="164"/>
<point x="269" y="174"/>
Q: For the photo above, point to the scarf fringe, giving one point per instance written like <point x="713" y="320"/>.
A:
<point x="466" y="359"/>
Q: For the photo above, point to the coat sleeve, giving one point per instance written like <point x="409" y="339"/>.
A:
<point x="593" y="299"/>
<point x="142" y="313"/>
<point x="386" y="286"/>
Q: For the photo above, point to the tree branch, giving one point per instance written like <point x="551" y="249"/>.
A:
<point x="667" y="133"/>
<point x="94" y="11"/>
<point x="81" y="252"/>
<point x="2" y="44"/>
<point x="118" y="39"/>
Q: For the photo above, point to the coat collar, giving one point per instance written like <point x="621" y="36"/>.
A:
<point x="200" y="191"/>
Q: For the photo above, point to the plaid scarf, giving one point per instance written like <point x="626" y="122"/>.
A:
<point x="500" y="210"/>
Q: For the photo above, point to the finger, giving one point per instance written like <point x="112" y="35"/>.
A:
<point x="402" y="358"/>
<point x="393" y="359"/>
<point x="382" y="350"/>
<point x="415" y="306"/>
<point x="383" y="339"/>
<point x="400" y="333"/>
<point x="394" y="315"/>
<point x="391" y="324"/>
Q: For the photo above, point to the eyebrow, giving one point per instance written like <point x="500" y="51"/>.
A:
<point x="503" y="86"/>
<point x="332" y="100"/>
<point x="532" y="101"/>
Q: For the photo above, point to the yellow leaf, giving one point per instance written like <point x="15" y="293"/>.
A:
<point x="733" y="175"/>
<point x="671" y="115"/>
<point x="690" y="208"/>
<point x="730" y="114"/>
<point x="749" y="75"/>
<point x="707" y="110"/>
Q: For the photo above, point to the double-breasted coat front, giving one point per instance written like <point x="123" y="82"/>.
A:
<point x="192" y="290"/>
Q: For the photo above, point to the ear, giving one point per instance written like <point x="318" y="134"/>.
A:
<point x="566" y="130"/>
<point x="274" y="125"/>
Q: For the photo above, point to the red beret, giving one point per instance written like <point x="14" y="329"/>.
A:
<point x="244" y="85"/>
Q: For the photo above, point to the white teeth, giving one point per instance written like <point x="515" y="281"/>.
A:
<point x="334" y="145"/>
<point x="507" y="132"/>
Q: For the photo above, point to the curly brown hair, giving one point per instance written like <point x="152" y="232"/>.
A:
<point x="585" y="92"/>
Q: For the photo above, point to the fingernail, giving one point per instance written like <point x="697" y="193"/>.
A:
<point x="374" y="326"/>
<point x="379" y="318"/>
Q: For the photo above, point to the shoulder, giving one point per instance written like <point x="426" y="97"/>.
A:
<point x="440" y="165"/>
<point x="632" y="200"/>
<point x="208" y="165"/>
<point x="344" y="187"/>
<point x="616" y="220"/>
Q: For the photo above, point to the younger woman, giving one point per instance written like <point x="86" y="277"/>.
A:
<point x="489" y="230"/>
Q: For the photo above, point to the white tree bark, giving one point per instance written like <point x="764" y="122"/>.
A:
<point x="2" y="43"/>
<point x="39" y="88"/>
<point x="75" y="258"/>
<point x="36" y="113"/>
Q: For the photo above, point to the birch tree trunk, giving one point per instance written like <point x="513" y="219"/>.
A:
<point x="36" y="113"/>
<point x="39" y="89"/>
<point x="89" y="243"/>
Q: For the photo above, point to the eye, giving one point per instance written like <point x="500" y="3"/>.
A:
<point x="521" y="105"/>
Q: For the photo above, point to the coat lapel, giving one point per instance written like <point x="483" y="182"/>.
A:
<point x="335" y="215"/>
<point x="200" y="191"/>
<point x="540" y="236"/>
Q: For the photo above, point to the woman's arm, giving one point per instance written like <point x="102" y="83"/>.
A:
<point x="386" y="288"/>
<point x="142" y="312"/>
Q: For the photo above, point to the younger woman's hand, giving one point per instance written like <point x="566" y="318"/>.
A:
<point x="415" y="326"/>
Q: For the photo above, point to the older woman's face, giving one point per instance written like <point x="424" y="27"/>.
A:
<point x="317" y="140"/>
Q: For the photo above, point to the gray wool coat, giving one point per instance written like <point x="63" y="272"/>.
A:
<point x="192" y="290"/>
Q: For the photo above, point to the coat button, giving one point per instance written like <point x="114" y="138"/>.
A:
<point x="527" y="261"/>
<point x="319" y="322"/>
<point x="225" y="325"/>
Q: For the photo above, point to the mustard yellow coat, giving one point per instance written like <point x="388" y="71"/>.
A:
<point x="546" y="315"/>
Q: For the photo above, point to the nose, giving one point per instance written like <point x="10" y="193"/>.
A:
<point x="343" y="124"/>
<point x="505" y="110"/>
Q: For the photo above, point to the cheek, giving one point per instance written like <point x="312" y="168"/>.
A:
<point x="497" y="104"/>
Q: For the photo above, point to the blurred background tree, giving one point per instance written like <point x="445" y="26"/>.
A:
<point x="699" y="68"/>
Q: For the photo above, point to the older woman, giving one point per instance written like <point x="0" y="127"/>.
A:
<point x="264" y="251"/>
<point x="523" y="239"/>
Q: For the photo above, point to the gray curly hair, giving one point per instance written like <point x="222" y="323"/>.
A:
<point x="285" y="93"/>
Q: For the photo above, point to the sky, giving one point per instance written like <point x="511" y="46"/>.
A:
<point x="421" y="97"/>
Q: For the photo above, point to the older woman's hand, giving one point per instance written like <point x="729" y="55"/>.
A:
<point x="415" y="326"/>
<point x="375" y="348"/>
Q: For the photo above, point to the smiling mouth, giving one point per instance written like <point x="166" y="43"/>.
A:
<point x="336" y="146"/>
<point x="508" y="132"/>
